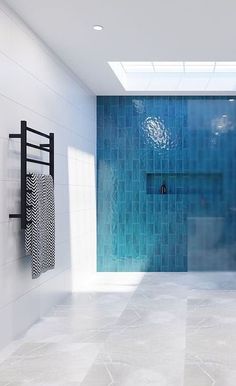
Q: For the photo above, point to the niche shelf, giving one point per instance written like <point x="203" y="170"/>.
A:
<point x="185" y="183"/>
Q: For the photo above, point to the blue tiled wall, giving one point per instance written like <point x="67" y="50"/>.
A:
<point x="186" y="143"/>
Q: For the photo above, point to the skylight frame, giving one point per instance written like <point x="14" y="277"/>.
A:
<point x="184" y="66"/>
<point x="176" y="77"/>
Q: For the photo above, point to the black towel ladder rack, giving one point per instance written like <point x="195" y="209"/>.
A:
<point x="48" y="147"/>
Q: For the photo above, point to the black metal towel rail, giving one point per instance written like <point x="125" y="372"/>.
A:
<point x="47" y="147"/>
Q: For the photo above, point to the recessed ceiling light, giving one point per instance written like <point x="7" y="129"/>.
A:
<point x="98" y="27"/>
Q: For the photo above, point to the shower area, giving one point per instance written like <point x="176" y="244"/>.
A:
<point x="166" y="185"/>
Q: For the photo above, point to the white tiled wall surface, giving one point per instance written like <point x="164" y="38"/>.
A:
<point x="35" y="86"/>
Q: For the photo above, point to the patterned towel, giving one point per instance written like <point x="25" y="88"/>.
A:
<point x="40" y="232"/>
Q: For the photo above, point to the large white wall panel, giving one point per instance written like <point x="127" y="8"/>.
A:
<point x="37" y="87"/>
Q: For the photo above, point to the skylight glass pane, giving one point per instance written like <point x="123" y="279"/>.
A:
<point x="136" y="63"/>
<point x="193" y="83"/>
<point x="225" y="68"/>
<point x="137" y="67"/>
<point x="199" y="63"/>
<point x="225" y="63"/>
<point x="169" y="68"/>
<point x="199" y="67"/>
<point x="168" y="63"/>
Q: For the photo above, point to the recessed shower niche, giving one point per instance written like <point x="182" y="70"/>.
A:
<point x="184" y="183"/>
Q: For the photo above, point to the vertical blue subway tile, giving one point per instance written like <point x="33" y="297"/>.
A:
<point x="188" y="143"/>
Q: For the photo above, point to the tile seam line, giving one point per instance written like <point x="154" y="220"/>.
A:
<point x="56" y="184"/>
<point x="26" y="256"/>
<point x="30" y="33"/>
<point x="56" y="154"/>
<point x="40" y="81"/>
<point x="33" y="288"/>
<point x="64" y="128"/>
<point x="185" y="332"/>
<point x="45" y="117"/>
<point x="110" y="333"/>
<point x="23" y="257"/>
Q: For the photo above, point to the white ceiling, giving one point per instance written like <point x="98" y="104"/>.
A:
<point x="134" y="30"/>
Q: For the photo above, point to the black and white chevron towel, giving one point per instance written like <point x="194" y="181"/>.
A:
<point x="40" y="232"/>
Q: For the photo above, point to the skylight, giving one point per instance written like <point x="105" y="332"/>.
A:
<point x="176" y="76"/>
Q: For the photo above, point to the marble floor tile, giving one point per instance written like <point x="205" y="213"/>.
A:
<point x="162" y="329"/>
<point x="211" y="338"/>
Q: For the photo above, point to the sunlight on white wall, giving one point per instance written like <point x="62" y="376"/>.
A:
<point x="82" y="220"/>
<point x="82" y="215"/>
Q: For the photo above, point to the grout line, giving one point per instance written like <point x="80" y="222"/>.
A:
<point x="65" y="154"/>
<point x="57" y="244"/>
<point x="15" y="18"/>
<point x="43" y="83"/>
<point x="45" y="117"/>
<point x="36" y="286"/>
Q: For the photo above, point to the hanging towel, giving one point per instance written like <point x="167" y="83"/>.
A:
<point x="40" y="229"/>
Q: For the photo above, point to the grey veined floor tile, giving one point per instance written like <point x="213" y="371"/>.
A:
<point x="159" y="329"/>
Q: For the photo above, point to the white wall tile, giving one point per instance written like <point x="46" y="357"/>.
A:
<point x="35" y="86"/>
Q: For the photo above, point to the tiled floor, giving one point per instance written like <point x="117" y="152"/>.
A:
<point x="161" y="329"/>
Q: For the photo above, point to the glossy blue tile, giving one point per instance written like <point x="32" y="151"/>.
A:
<point x="186" y="143"/>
